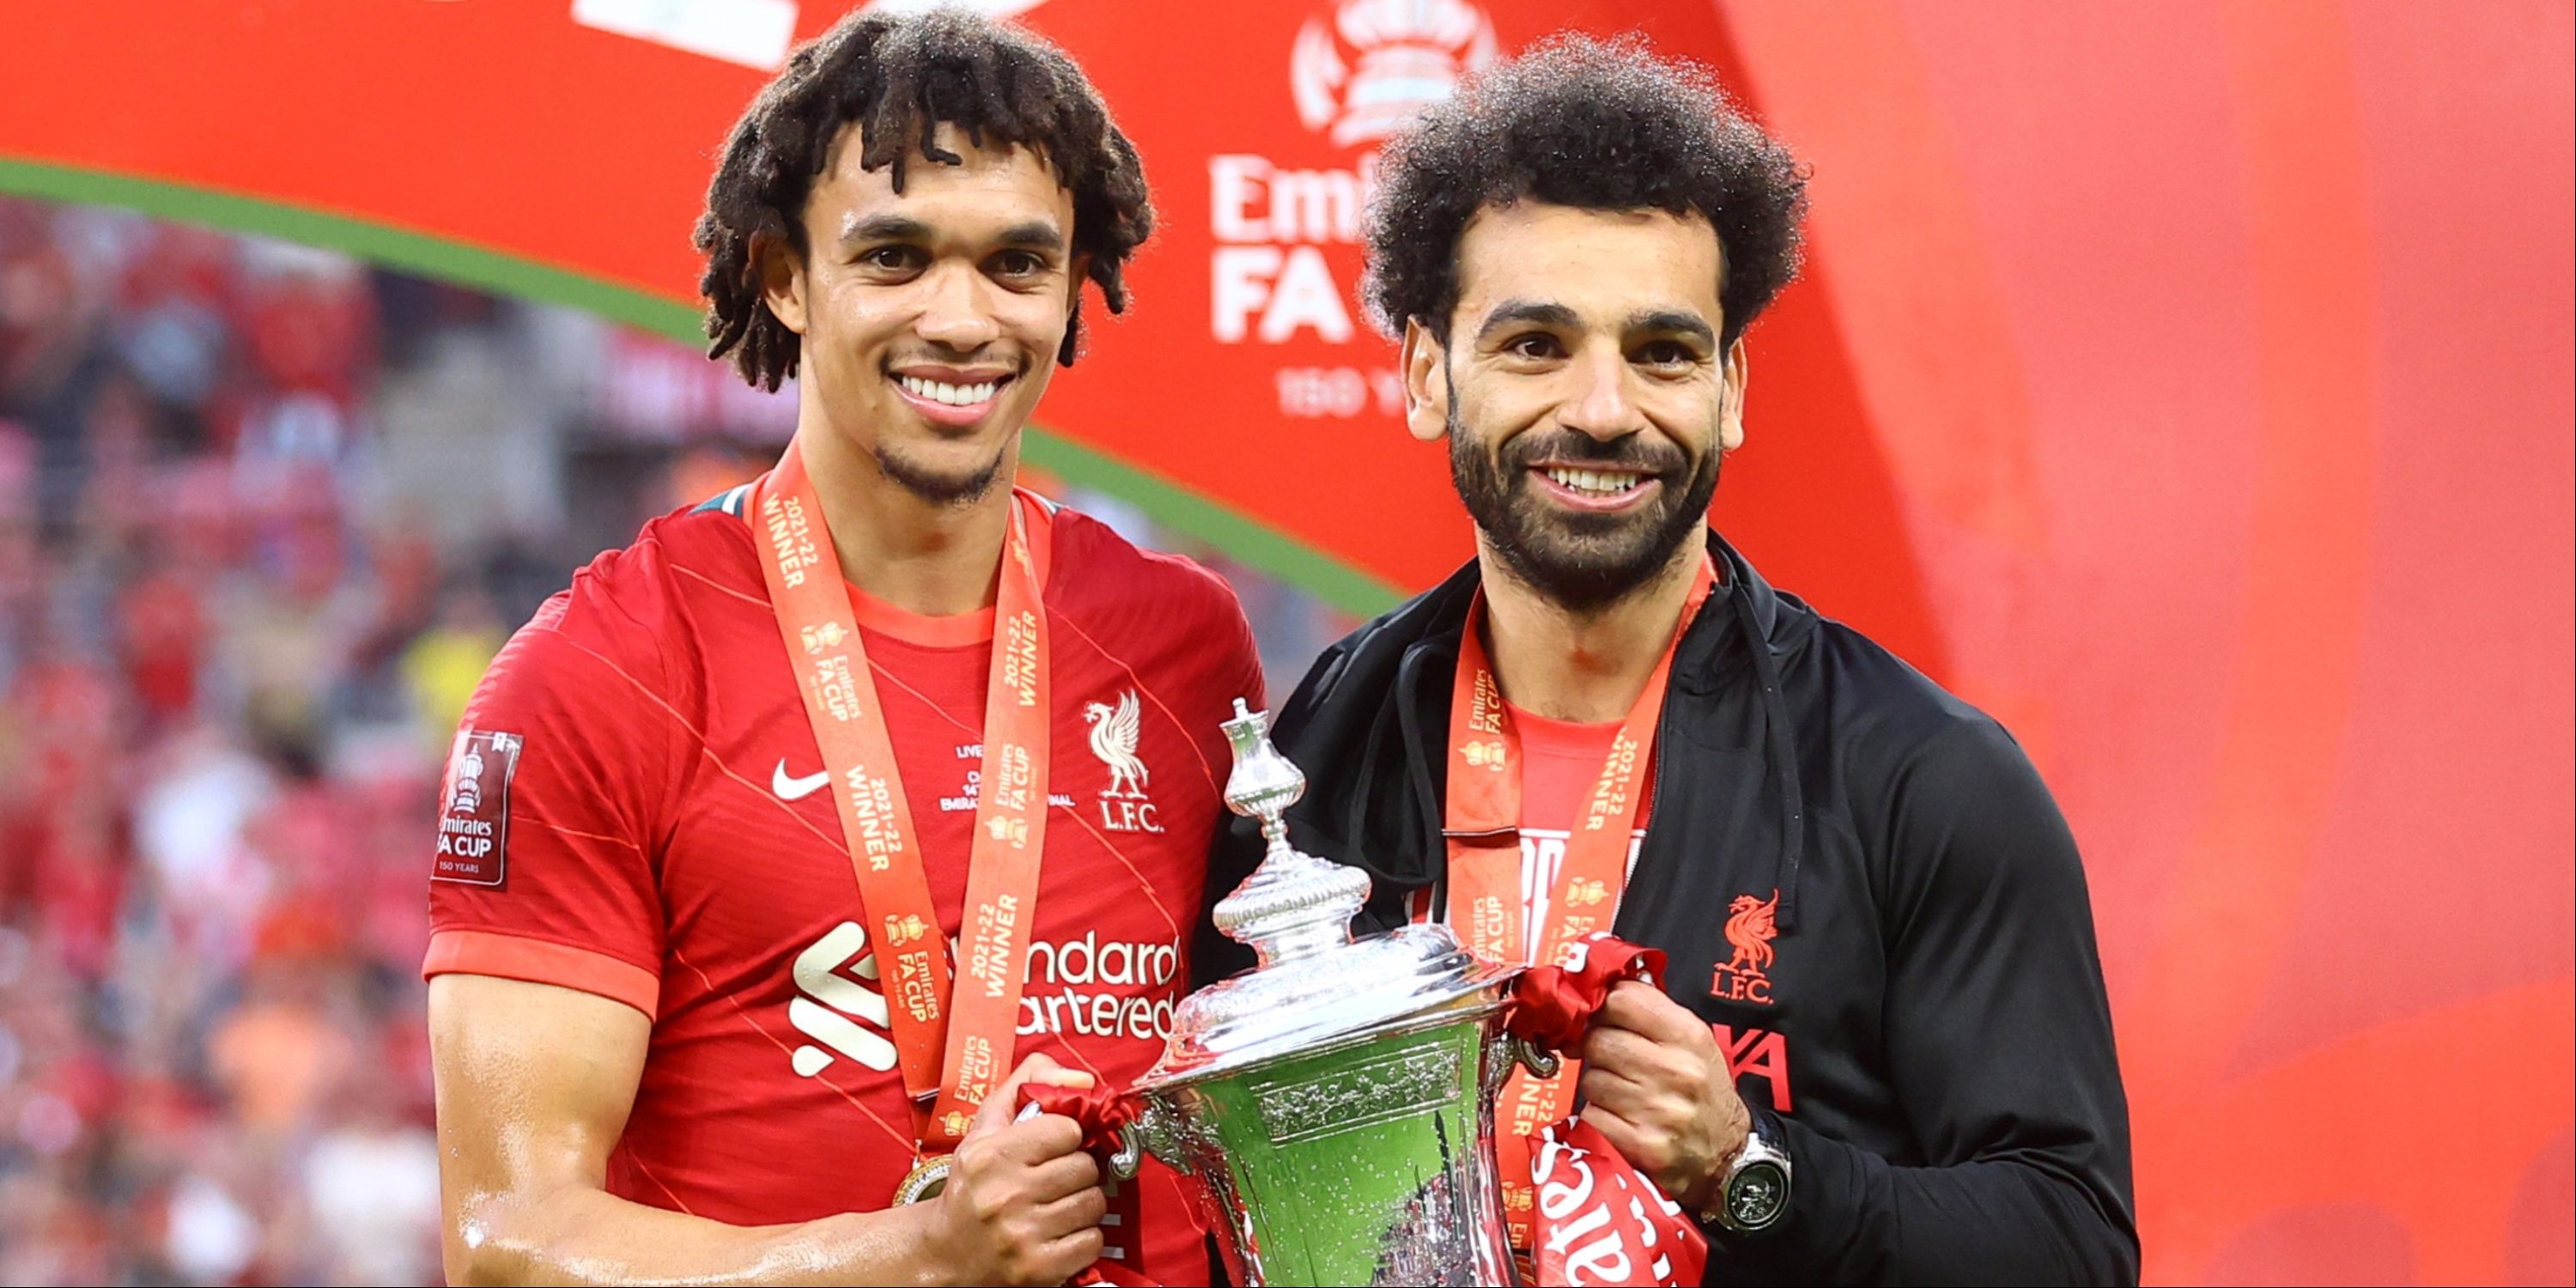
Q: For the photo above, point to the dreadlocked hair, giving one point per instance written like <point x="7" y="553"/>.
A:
<point x="899" y="79"/>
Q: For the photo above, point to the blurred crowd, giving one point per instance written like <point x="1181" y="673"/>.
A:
<point x="226" y="677"/>
<point x="265" y="515"/>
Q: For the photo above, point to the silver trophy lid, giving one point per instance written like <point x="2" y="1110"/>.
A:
<point x="1315" y="986"/>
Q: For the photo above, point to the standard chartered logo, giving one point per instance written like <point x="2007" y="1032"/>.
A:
<point x="1114" y="988"/>
<point x="845" y="1016"/>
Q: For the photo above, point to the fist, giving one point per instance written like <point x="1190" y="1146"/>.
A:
<point x="1656" y="1086"/>
<point x="1023" y="1201"/>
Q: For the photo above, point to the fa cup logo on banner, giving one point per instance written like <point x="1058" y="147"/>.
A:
<point x="1287" y="220"/>
<point x="1378" y="62"/>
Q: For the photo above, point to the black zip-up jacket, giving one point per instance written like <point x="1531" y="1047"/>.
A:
<point x="1936" y="1045"/>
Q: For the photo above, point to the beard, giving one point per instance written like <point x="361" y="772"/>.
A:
<point x="945" y="484"/>
<point x="1581" y="562"/>
<point x="936" y="487"/>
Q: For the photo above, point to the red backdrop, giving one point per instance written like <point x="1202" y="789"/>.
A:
<point x="2190" y="385"/>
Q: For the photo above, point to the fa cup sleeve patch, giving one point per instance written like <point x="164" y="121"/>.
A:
<point x="474" y="807"/>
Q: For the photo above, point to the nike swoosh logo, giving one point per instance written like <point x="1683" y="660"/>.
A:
<point x="797" y="789"/>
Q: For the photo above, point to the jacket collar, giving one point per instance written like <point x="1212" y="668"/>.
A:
<point x="1371" y="728"/>
<point x="1437" y="617"/>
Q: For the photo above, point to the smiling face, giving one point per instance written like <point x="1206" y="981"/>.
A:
<point x="1583" y="393"/>
<point x="929" y="319"/>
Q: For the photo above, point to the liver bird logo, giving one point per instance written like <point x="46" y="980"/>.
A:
<point x="1749" y="929"/>
<point x="1113" y="739"/>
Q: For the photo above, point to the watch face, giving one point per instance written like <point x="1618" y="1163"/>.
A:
<point x="1756" y="1196"/>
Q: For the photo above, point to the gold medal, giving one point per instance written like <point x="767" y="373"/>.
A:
<point x="924" y="1181"/>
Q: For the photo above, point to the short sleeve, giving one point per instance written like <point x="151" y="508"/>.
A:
<point x="543" y="868"/>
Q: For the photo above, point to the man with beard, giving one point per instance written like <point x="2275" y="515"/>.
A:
<point x="1881" y="1052"/>
<point x="719" y="812"/>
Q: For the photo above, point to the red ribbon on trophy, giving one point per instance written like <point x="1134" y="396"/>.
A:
<point x="1103" y="1115"/>
<point x="1100" y="1112"/>
<point x="1553" y="1006"/>
<point x="1599" y="1222"/>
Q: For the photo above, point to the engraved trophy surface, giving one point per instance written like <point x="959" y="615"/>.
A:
<point x="1335" y="1103"/>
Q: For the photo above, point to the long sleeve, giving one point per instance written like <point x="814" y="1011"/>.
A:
<point x="1998" y="1040"/>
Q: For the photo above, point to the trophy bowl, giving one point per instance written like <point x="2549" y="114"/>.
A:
<point x="1335" y="1104"/>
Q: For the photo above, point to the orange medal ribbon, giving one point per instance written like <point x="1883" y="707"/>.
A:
<point x="958" y="1063"/>
<point x="1482" y="823"/>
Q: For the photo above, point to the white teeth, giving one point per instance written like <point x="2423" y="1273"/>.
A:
<point x="953" y="395"/>
<point x="1596" y="482"/>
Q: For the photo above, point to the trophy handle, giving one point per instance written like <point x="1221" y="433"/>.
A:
<point x="1151" y="1131"/>
<point x="1129" y="1155"/>
<point x="1541" y="1062"/>
<point x="1513" y="1051"/>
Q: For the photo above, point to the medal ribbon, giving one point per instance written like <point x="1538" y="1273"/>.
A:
<point x="1482" y="824"/>
<point x="958" y="1063"/>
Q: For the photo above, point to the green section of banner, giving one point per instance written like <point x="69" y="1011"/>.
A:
<point x="428" y="256"/>
<point x="1239" y="536"/>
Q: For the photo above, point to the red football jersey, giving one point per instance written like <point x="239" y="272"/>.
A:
<point x="636" y="808"/>
<point x="1560" y="765"/>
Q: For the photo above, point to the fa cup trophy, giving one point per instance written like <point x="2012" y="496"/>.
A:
<point x="1335" y="1104"/>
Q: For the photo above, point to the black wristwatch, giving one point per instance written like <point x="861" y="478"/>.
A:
<point x="1753" y="1197"/>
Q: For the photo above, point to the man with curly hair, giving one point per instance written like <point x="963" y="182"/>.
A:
<point x="784" y="848"/>
<point x="1881" y="1052"/>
